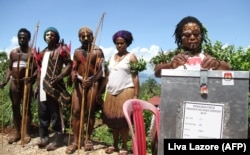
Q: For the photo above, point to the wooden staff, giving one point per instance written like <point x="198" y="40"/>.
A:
<point x="85" y="76"/>
<point x="27" y="87"/>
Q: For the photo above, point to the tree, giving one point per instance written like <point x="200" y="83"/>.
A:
<point x="149" y="88"/>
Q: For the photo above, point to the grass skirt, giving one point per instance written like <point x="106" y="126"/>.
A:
<point x="112" y="109"/>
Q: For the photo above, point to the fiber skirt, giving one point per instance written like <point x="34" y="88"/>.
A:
<point x="113" y="115"/>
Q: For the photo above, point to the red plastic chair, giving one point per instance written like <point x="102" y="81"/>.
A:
<point x="133" y="111"/>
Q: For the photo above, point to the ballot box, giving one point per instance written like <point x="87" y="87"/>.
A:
<point x="203" y="104"/>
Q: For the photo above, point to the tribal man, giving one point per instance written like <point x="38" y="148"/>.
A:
<point x="18" y="60"/>
<point x="52" y="89"/>
<point x="87" y="74"/>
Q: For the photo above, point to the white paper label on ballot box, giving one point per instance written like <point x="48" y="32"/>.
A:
<point x="202" y="120"/>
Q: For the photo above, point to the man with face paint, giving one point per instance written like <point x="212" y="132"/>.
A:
<point x="189" y="36"/>
<point x="87" y="73"/>
<point x="52" y="90"/>
<point x="16" y="73"/>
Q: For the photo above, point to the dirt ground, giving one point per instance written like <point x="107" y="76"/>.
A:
<point x="32" y="148"/>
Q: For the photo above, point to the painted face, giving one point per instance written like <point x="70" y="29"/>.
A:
<point x="86" y="38"/>
<point x="50" y="37"/>
<point x="191" y="36"/>
<point x="120" y="44"/>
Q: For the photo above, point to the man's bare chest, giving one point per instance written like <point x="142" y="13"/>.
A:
<point x="20" y="57"/>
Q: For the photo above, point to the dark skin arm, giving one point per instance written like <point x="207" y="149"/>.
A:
<point x="101" y="89"/>
<point x="8" y="73"/>
<point x="65" y="58"/>
<point x="97" y="65"/>
<point x="32" y="78"/>
<point x="161" y="66"/>
<point x="135" y="78"/>
<point x="66" y="71"/>
<point x="6" y="79"/>
<point x="210" y="62"/>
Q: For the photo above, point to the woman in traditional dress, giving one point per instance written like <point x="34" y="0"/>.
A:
<point x="122" y="84"/>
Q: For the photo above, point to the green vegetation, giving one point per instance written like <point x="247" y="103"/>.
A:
<point x="138" y="66"/>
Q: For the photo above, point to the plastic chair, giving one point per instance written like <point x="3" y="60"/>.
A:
<point x="133" y="111"/>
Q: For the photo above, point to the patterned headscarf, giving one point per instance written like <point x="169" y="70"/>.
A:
<point x="53" y="30"/>
<point x="126" y="35"/>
